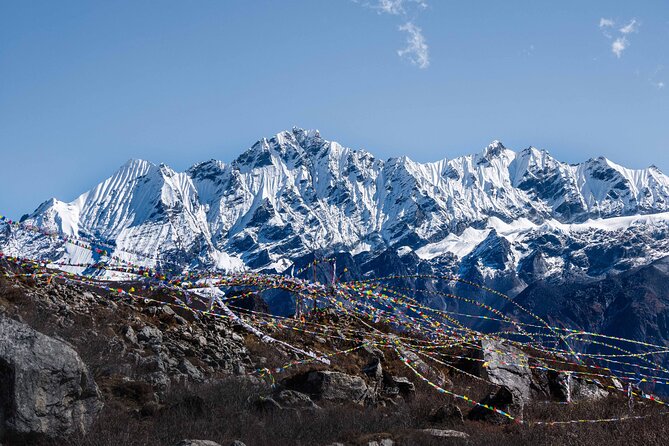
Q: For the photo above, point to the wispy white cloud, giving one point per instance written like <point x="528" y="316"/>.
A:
<point x="655" y="78"/>
<point x="631" y="27"/>
<point x="619" y="45"/>
<point x="606" y="23"/>
<point x="396" y="7"/>
<point x="621" y="41"/>
<point x="529" y="51"/>
<point x="416" y="51"/>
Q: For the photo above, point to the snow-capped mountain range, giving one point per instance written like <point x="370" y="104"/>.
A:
<point x="521" y="216"/>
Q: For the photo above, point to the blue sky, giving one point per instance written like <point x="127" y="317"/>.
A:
<point x="86" y="85"/>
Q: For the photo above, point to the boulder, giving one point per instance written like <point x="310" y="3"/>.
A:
<point x="431" y="373"/>
<point x="130" y="334"/>
<point x="188" y="369"/>
<point x="373" y="369"/>
<point x="397" y="385"/>
<point x="266" y="404"/>
<point x="197" y="443"/>
<point x="45" y="388"/>
<point x="507" y="366"/>
<point x="568" y="387"/>
<point x="382" y="442"/>
<point x="448" y="413"/>
<point x="503" y="399"/>
<point x="285" y="399"/>
<point x="150" y="335"/>
<point x="373" y="351"/>
<point x="445" y="433"/>
<point x="295" y="400"/>
<point x="330" y="386"/>
<point x="405" y="386"/>
<point x="587" y="389"/>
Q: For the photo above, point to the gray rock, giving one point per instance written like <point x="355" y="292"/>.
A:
<point x="186" y="367"/>
<point x="130" y="334"/>
<point x="197" y="443"/>
<point x="330" y="386"/>
<point x="406" y="387"/>
<point x="587" y="389"/>
<point x="167" y="311"/>
<point x="285" y="400"/>
<point x="373" y="369"/>
<point x="160" y="380"/>
<point x="507" y="366"/>
<point x="396" y="385"/>
<point x="503" y="399"/>
<point x="268" y="404"/>
<point x="374" y="352"/>
<point x="566" y="388"/>
<point x="237" y="443"/>
<point x="295" y="400"/>
<point x="445" y="433"/>
<point x="237" y="337"/>
<point x="448" y="413"/>
<point x="46" y="388"/>
<point x="150" y="335"/>
<point x="383" y="442"/>
<point x="433" y="374"/>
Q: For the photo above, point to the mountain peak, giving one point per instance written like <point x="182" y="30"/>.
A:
<point x="494" y="149"/>
<point x="136" y="163"/>
<point x="306" y="133"/>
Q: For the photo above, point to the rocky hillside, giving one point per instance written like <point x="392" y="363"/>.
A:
<point x="85" y="365"/>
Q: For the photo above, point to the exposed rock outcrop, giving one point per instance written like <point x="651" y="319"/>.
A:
<point x="447" y="414"/>
<point x="197" y="443"/>
<point x="45" y="388"/>
<point x="286" y="399"/>
<point x="519" y="383"/>
<point x="445" y="433"/>
<point x="331" y="386"/>
<point x="508" y="366"/>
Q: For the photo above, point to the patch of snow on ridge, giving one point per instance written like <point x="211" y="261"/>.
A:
<point x="618" y="223"/>
<point x="460" y="245"/>
<point x="514" y="232"/>
<point x="403" y="250"/>
<point x="227" y="263"/>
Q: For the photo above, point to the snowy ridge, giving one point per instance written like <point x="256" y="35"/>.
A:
<point x="297" y="193"/>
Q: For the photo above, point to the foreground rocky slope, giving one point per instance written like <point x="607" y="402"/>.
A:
<point x="164" y="375"/>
